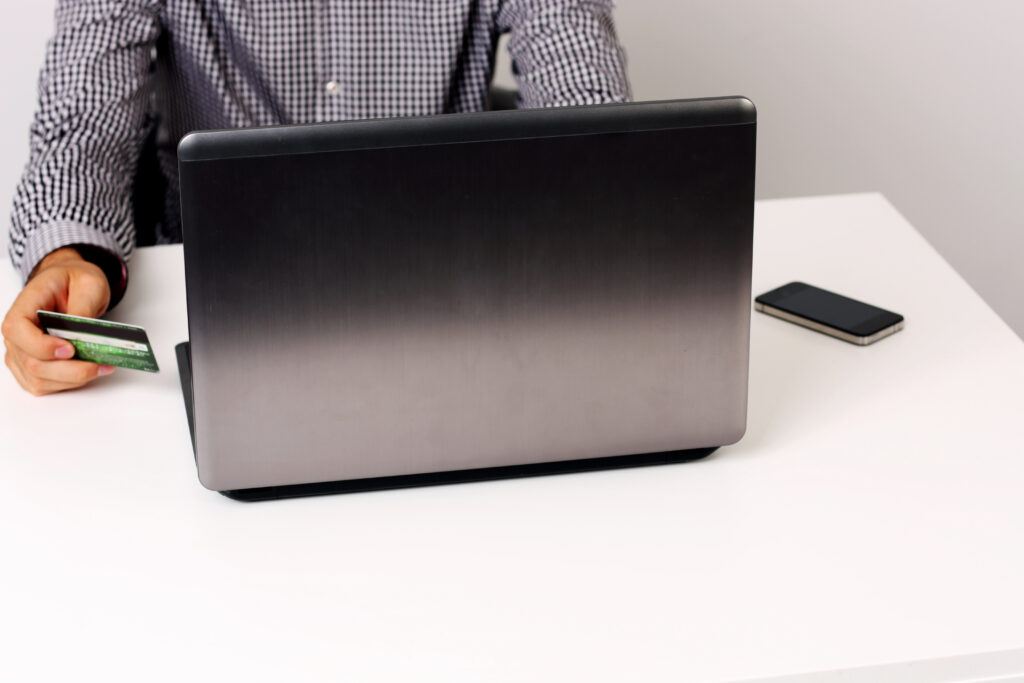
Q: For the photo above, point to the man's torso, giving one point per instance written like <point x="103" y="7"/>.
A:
<point x="241" y="63"/>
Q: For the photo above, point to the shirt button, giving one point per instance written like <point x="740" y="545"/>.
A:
<point x="332" y="87"/>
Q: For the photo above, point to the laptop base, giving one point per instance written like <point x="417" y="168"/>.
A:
<point x="182" y="351"/>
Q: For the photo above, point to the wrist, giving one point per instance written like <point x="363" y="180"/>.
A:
<point x="109" y="263"/>
<point x="57" y="256"/>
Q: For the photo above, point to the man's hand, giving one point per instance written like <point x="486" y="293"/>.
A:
<point x="66" y="283"/>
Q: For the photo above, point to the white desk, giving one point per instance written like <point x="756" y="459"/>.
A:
<point x="873" y="514"/>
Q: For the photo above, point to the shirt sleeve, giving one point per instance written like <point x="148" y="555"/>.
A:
<point x="564" y="52"/>
<point x="87" y="132"/>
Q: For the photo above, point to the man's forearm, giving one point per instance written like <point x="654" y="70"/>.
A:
<point x="86" y="137"/>
<point x="565" y="52"/>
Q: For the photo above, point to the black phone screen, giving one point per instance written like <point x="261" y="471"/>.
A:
<point x="834" y="310"/>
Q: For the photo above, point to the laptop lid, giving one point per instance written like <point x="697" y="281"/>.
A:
<point x="393" y="297"/>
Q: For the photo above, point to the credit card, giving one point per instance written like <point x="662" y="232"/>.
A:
<point x="102" y="341"/>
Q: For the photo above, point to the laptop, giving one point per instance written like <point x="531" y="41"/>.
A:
<point x="387" y="303"/>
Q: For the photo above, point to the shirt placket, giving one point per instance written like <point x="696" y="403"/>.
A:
<point x="330" y="85"/>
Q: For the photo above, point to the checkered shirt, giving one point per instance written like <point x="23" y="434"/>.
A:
<point x="125" y="76"/>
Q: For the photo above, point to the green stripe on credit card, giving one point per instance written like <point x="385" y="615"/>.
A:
<point x="102" y="341"/>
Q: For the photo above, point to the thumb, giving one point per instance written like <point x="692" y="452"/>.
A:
<point x="88" y="294"/>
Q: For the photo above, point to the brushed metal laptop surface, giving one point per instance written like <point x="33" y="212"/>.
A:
<point x="384" y="298"/>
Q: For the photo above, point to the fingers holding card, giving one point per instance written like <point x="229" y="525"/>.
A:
<point x="102" y="341"/>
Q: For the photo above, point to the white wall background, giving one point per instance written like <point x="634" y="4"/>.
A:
<point x="921" y="99"/>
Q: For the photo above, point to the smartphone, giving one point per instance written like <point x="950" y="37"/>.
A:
<point x="832" y="314"/>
